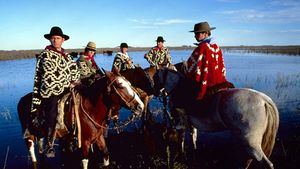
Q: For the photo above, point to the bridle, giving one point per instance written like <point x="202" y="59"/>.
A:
<point x="111" y="85"/>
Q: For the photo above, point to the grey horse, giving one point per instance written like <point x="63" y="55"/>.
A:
<point x="251" y="116"/>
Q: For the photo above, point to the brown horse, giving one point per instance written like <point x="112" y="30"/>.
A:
<point x="92" y="107"/>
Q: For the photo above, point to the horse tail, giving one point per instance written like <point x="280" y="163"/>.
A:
<point x="23" y="108"/>
<point x="272" y="127"/>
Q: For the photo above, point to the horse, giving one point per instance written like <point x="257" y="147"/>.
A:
<point x="142" y="81"/>
<point x="251" y="116"/>
<point x="92" y="107"/>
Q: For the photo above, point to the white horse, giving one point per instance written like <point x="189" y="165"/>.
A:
<point x="251" y="116"/>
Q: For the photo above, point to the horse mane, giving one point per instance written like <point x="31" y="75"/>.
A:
<point x="94" y="91"/>
<point x="140" y="79"/>
<point x="185" y="88"/>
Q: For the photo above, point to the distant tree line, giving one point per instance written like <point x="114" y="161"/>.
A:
<point x="289" y="50"/>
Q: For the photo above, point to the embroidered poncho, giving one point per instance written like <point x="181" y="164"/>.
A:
<point x="122" y="62"/>
<point x="54" y="73"/>
<point x="158" y="56"/>
<point x="206" y="66"/>
<point x="87" y="66"/>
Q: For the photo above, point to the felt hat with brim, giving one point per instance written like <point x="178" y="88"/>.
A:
<point x="160" y="39"/>
<point x="123" y="45"/>
<point x="56" y="31"/>
<point x="91" y="46"/>
<point x="202" y="27"/>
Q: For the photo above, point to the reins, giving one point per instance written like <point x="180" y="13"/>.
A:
<point x="120" y="95"/>
<point x="123" y="99"/>
<point x="125" y="123"/>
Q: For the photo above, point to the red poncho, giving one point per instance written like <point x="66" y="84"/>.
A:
<point x="206" y="66"/>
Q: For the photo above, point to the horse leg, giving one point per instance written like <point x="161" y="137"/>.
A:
<point x="85" y="154"/>
<point x="30" y="146"/>
<point x="85" y="163"/>
<point x="41" y="145"/>
<point x="102" y="146"/>
<point x="194" y="137"/>
<point x="145" y="114"/>
<point x="190" y="151"/>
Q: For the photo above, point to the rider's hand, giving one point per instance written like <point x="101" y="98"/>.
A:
<point x="97" y="76"/>
<point x="34" y="120"/>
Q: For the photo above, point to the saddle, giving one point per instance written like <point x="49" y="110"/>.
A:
<point x="67" y="109"/>
<point x="203" y="105"/>
<point x="64" y="106"/>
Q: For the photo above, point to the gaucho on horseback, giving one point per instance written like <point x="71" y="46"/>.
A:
<point x="55" y="73"/>
<point x="122" y="60"/>
<point x="88" y="68"/>
<point x="206" y="66"/>
<point x="159" y="56"/>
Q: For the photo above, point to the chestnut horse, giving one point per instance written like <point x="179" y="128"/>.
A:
<point x="251" y="116"/>
<point x="93" y="105"/>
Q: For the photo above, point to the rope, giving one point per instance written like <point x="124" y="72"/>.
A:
<point x="76" y="100"/>
<point x="5" y="161"/>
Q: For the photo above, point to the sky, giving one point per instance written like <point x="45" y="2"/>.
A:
<point x="23" y="23"/>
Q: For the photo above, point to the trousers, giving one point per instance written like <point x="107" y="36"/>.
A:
<point x="50" y="106"/>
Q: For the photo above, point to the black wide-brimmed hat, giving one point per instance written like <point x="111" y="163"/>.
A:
<point x="123" y="45"/>
<point x="202" y="27"/>
<point x="160" y="39"/>
<point x="56" y="31"/>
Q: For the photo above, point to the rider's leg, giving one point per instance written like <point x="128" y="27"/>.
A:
<point x="50" y="118"/>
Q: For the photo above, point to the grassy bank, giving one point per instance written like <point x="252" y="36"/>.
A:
<point x="289" y="50"/>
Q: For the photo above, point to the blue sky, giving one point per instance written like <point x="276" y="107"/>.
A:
<point x="138" y="22"/>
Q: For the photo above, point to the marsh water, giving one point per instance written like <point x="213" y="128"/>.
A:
<point x="278" y="76"/>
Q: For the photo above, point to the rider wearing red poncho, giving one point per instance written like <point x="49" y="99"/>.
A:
<point x="206" y="64"/>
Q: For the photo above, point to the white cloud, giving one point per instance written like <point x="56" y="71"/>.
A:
<point x="172" y="21"/>
<point x="144" y="27"/>
<point x="247" y="31"/>
<point x="284" y="3"/>
<point x="228" y="1"/>
<point x="156" y="22"/>
<point x="283" y="15"/>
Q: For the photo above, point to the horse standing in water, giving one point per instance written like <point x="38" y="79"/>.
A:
<point x="92" y="107"/>
<point x="251" y="116"/>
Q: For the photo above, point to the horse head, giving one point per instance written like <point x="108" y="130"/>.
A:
<point x="139" y="79"/>
<point x="165" y="80"/>
<point x="120" y="90"/>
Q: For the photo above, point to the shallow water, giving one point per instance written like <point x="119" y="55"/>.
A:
<point x="276" y="75"/>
